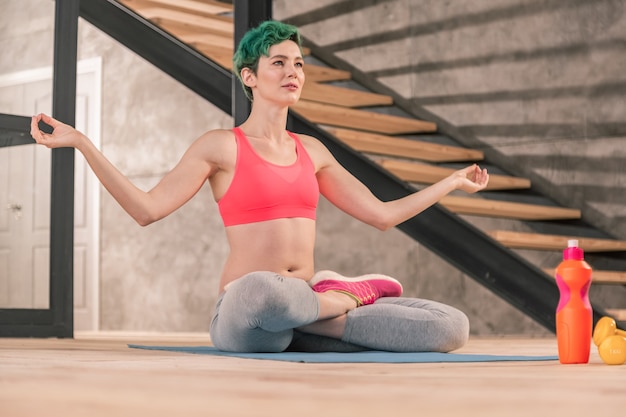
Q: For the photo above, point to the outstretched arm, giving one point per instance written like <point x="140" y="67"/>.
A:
<point x="469" y="179"/>
<point x="350" y="195"/>
<point x="178" y="186"/>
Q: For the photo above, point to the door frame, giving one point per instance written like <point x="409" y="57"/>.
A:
<point x="58" y="319"/>
<point x="93" y="68"/>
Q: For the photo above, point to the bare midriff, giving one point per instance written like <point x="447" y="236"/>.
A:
<point x="283" y="246"/>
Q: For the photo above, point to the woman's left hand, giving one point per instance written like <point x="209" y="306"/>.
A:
<point x="471" y="179"/>
<point x="62" y="135"/>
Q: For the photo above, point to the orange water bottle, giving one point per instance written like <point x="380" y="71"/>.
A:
<point x="574" y="316"/>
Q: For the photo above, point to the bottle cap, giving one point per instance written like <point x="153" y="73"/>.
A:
<point x="573" y="252"/>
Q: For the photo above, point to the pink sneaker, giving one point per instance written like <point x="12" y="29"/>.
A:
<point x="365" y="289"/>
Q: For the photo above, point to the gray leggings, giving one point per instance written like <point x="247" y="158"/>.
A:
<point x="260" y="312"/>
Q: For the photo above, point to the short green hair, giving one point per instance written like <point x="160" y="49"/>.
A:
<point x="257" y="42"/>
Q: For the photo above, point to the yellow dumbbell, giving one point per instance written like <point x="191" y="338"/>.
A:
<point x="613" y="350"/>
<point x="611" y="341"/>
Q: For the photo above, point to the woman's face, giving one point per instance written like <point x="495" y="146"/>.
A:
<point x="279" y="76"/>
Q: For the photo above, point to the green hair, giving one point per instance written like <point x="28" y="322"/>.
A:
<point x="258" y="41"/>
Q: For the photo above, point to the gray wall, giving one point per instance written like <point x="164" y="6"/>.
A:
<point x="538" y="84"/>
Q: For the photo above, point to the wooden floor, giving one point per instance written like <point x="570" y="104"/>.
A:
<point x="100" y="376"/>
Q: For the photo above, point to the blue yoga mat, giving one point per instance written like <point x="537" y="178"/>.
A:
<point x="352" y="357"/>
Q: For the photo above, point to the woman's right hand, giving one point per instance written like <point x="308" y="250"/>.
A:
<point x="62" y="135"/>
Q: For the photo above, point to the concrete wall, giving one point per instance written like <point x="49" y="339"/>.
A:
<point x="537" y="83"/>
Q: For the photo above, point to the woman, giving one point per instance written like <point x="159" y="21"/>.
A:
<point x="267" y="182"/>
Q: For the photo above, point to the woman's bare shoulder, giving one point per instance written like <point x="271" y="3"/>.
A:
<point x="312" y="144"/>
<point x="216" y="146"/>
<point x="216" y="140"/>
<point x="308" y="140"/>
<point x="316" y="150"/>
<point x="217" y="137"/>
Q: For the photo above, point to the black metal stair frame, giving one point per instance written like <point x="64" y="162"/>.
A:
<point x="14" y="130"/>
<point x="158" y="47"/>
<point x="470" y="250"/>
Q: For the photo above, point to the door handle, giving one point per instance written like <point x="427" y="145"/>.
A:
<point x="16" y="209"/>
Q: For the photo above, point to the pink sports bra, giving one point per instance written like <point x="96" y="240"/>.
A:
<point x="261" y="190"/>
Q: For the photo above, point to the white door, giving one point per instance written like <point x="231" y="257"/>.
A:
<point x="25" y="200"/>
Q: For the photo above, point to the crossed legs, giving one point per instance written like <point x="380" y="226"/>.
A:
<point x="265" y="312"/>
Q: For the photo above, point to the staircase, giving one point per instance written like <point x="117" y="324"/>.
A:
<point x="394" y="154"/>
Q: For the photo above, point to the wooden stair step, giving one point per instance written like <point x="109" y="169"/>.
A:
<point x="318" y="73"/>
<point x="327" y="114"/>
<point x="608" y="277"/>
<point x="204" y="7"/>
<point x="504" y="209"/>
<point x="523" y="240"/>
<point x="617" y="314"/>
<point x="430" y="174"/>
<point x="222" y="56"/>
<point x="199" y="39"/>
<point x="346" y="97"/>
<point x="600" y="277"/>
<point x="407" y="148"/>
<point x="215" y="46"/>
<point x="214" y="24"/>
